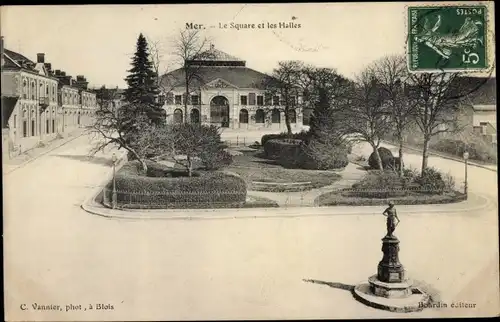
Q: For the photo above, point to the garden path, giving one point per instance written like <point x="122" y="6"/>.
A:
<point x="350" y="175"/>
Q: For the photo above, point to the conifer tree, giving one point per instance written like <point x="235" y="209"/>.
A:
<point x="142" y="92"/>
<point x="321" y="115"/>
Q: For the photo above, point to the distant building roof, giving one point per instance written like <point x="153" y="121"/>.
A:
<point x="215" y="57"/>
<point x="241" y="77"/>
<point x="17" y="56"/>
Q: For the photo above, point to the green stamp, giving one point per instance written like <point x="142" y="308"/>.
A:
<point x="447" y="38"/>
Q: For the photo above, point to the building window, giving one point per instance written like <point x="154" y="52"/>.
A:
<point x="47" y="90"/>
<point x="25" y="89"/>
<point x="170" y="98"/>
<point x="260" y="100"/>
<point x="275" y="116"/>
<point x="293" y="100"/>
<point x="292" y="116"/>
<point x="276" y="100"/>
<point x="32" y="127"/>
<point x="195" y="116"/>
<point x="178" y="116"/>
<point x="178" y="99"/>
<point x="259" y="116"/>
<point x="195" y="100"/>
<point x="53" y="126"/>
<point x="251" y="99"/>
<point x="243" y="116"/>
<point x="483" y="123"/>
<point x="33" y="90"/>
<point x="47" y="126"/>
<point x="25" y="128"/>
<point x="244" y="100"/>
<point x="161" y="99"/>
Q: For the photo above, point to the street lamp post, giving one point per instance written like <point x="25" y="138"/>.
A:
<point x="466" y="158"/>
<point x="113" y="200"/>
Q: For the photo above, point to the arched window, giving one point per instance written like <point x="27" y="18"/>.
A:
<point x="275" y="116"/>
<point x="243" y="116"/>
<point x="178" y="116"/>
<point x="259" y="116"/>
<point x="195" y="115"/>
<point x="292" y="115"/>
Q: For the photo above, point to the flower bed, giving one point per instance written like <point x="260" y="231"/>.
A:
<point x="165" y="187"/>
<point x="346" y="198"/>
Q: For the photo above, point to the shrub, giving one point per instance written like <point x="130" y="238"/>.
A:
<point x="324" y="156"/>
<point x="386" y="157"/>
<point x="302" y="135"/>
<point x="215" y="159"/>
<point x="294" y="153"/>
<point x="274" y="148"/>
<point x="379" y="184"/>
<point x="431" y="181"/>
<point x="478" y="149"/>
<point x="160" y="190"/>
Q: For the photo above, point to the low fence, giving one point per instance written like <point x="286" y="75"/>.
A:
<point x="177" y="199"/>
<point x="307" y="198"/>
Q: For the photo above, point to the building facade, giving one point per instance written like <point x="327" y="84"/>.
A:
<point x="34" y="101"/>
<point x="224" y="92"/>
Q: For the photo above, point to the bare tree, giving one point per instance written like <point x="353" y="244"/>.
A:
<point x="437" y="97"/>
<point x="139" y="136"/>
<point x="284" y="83"/>
<point x="392" y="75"/>
<point x="190" y="48"/>
<point x="367" y="117"/>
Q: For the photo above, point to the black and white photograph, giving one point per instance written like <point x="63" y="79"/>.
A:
<point x="268" y="161"/>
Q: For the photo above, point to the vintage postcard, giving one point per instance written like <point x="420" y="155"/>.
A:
<point x="249" y="161"/>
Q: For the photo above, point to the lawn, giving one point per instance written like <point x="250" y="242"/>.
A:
<point x="256" y="170"/>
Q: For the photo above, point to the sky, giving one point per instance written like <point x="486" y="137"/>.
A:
<point x="98" y="41"/>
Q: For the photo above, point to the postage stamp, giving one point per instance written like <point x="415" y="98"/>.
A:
<point x="447" y="38"/>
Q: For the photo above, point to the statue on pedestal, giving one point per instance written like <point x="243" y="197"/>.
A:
<point x="392" y="216"/>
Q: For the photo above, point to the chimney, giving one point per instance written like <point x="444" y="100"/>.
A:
<point x="58" y="72"/>
<point x="48" y="66"/>
<point x="40" y="58"/>
<point x="63" y="73"/>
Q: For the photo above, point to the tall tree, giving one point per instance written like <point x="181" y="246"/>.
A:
<point x="368" y="117"/>
<point x="327" y="92"/>
<point x="392" y="75"/>
<point x="190" y="48"/>
<point x="284" y="83"/>
<point x="142" y="92"/>
<point x="437" y="98"/>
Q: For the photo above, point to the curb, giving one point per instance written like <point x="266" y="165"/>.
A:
<point x="443" y="156"/>
<point x="42" y="154"/>
<point x="292" y="212"/>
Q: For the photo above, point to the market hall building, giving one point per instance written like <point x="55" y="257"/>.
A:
<point x="225" y="93"/>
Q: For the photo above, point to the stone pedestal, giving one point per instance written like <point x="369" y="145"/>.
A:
<point x="390" y="270"/>
<point x="390" y="289"/>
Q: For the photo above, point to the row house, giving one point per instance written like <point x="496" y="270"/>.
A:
<point x="228" y="94"/>
<point x="32" y="108"/>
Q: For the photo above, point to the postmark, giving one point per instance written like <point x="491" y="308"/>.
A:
<point x="447" y="38"/>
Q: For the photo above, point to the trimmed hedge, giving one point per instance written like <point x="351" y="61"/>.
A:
<point x="302" y="135"/>
<point x="294" y="153"/>
<point x="165" y="187"/>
